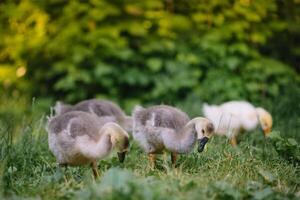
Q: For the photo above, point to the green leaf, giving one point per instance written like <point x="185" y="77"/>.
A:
<point x="263" y="194"/>
<point x="292" y="142"/>
<point x="155" y="64"/>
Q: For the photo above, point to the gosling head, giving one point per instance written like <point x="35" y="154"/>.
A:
<point x="265" y="120"/>
<point x="205" y="129"/>
<point x="119" y="139"/>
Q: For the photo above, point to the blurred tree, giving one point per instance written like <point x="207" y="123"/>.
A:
<point x="150" y="51"/>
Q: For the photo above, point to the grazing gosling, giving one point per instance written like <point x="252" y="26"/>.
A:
<point x="101" y="108"/>
<point x="233" y="117"/>
<point x="162" y="127"/>
<point x="79" y="138"/>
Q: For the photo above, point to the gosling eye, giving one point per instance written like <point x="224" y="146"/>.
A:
<point x="203" y="131"/>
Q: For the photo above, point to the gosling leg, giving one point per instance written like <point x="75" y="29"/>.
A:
<point x="233" y="141"/>
<point x="173" y="159"/>
<point x="152" y="158"/>
<point x="95" y="169"/>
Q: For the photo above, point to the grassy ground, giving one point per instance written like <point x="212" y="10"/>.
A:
<point x="257" y="169"/>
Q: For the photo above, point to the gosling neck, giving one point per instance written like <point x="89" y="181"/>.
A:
<point x="114" y="131"/>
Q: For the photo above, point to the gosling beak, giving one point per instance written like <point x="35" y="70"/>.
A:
<point x="202" y="143"/>
<point x="267" y="131"/>
<point x="121" y="156"/>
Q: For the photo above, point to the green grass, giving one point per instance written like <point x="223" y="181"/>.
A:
<point x="254" y="170"/>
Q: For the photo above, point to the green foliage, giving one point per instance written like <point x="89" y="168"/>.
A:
<point x="117" y="183"/>
<point x="288" y="148"/>
<point x="173" y="50"/>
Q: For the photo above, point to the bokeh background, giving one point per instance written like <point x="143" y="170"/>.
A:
<point x="134" y="52"/>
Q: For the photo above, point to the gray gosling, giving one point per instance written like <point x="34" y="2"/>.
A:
<point x="101" y="108"/>
<point x="162" y="127"/>
<point x="79" y="138"/>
